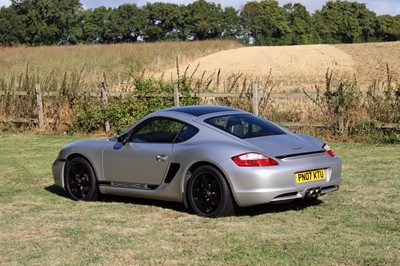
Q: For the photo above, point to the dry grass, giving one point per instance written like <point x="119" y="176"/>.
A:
<point x="370" y="61"/>
<point x="302" y="66"/>
<point x="117" y="61"/>
<point x="292" y="67"/>
<point x="215" y="65"/>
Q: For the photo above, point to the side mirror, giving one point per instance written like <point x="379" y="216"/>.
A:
<point x="123" y="138"/>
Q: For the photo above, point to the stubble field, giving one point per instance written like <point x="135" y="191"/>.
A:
<point x="304" y="66"/>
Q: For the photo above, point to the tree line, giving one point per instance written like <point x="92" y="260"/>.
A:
<point x="49" y="22"/>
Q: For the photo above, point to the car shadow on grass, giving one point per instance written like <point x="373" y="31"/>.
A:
<point x="175" y="206"/>
<point x="296" y="205"/>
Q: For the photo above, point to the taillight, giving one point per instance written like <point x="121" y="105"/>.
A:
<point x="328" y="150"/>
<point x="253" y="159"/>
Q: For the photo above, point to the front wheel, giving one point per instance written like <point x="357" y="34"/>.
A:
<point x="80" y="180"/>
<point x="209" y="194"/>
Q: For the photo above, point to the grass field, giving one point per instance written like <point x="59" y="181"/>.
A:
<point x="117" y="61"/>
<point x="359" y="224"/>
<point x="291" y="67"/>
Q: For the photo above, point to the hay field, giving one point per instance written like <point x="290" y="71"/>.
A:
<point x="119" y="62"/>
<point x="303" y="66"/>
<point x="291" y="67"/>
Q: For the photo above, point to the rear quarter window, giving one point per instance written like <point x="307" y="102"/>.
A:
<point x="187" y="132"/>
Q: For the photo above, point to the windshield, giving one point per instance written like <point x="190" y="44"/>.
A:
<point x="244" y="126"/>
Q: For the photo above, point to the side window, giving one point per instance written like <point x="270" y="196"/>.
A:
<point x="186" y="133"/>
<point x="156" y="130"/>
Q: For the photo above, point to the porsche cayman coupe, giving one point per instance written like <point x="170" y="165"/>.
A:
<point x="211" y="158"/>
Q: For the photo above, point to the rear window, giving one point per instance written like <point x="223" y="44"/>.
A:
<point x="244" y="126"/>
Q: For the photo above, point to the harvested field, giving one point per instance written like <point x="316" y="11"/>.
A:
<point x="302" y="66"/>
<point x="291" y="67"/>
<point x="370" y="60"/>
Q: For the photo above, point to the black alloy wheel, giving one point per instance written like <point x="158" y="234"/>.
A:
<point x="209" y="194"/>
<point x="80" y="180"/>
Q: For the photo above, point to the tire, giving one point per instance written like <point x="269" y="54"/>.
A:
<point x="80" y="180"/>
<point x="209" y="194"/>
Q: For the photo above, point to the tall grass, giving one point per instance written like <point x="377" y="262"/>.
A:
<point x="117" y="61"/>
<point x="345" y="110"/>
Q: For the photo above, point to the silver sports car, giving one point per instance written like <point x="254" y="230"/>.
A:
<point x="211" y="158"/>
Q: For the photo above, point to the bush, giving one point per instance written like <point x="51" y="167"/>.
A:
<point x="149" y="96"/>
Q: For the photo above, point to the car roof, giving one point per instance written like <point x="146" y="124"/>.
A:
<point x="199" y="110"/>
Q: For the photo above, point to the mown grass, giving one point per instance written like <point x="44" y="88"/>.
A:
<point x="360" y="224"/>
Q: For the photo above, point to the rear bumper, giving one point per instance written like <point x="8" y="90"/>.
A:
<point x="260" y="185"/>
<point x="250" y="198"/>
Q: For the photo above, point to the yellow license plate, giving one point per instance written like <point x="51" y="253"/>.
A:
<point x="310" y="176"/>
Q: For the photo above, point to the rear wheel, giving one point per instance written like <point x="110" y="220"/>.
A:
<point x="209" y="194"/>
<point x="80" y="180"/>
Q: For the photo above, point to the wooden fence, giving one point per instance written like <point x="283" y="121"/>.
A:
<point x="104" y="95"/>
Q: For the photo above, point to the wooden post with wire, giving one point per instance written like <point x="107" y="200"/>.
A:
<point x="39" y="102"/>
<point x="176" y="95"/>
<point x="255" y="98"/>
<point x="104" y="99"/>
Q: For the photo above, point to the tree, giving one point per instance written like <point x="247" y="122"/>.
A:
<point x="230" y="24"/>
<point x="10" y="26"/>
<point x="48" y="21"/>
<point x="299" y="21"/>
<point x="344" y="22"/>
<point x="164" y="21"/>
<point x="388" y="28"/>
<point x="124" y="24"/>
<point x="247" y="17"/>
<point x="203" y="20"/>
<point x="94" y="24"/>
<point x="264" y="22"/>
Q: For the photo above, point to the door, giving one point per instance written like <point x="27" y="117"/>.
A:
<point x="145" y="157"/>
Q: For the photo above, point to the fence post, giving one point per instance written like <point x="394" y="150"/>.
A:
<point x="339" y="109"/>
<point x="176" y="95"/>
<point x="39" y="105"/>
<point x="255" y="98"/>
<point x="105" y="100"/>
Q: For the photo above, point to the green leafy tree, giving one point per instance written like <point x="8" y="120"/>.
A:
<point x="230" y="23"/>
<point x="345" y="22"/>
<point x="265" y="22"/>
<point x="388" y="28"/>
<point x="300" y="25"/>
<point x="49" y="21"/>
<point x="124" y="24"/>
<point x="164" y="21"/>
<point x="94" y="24"/>
<point x="247" y="19"/>
<point x="203" y="20"/>
<point x="10" y="26"/>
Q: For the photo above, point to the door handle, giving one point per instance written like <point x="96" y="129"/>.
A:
<point x="161" y="158"/>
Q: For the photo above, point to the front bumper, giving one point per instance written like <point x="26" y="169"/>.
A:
<point x="58" y="172"/>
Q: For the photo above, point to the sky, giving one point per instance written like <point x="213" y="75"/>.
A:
<point x="380" y="7"/>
